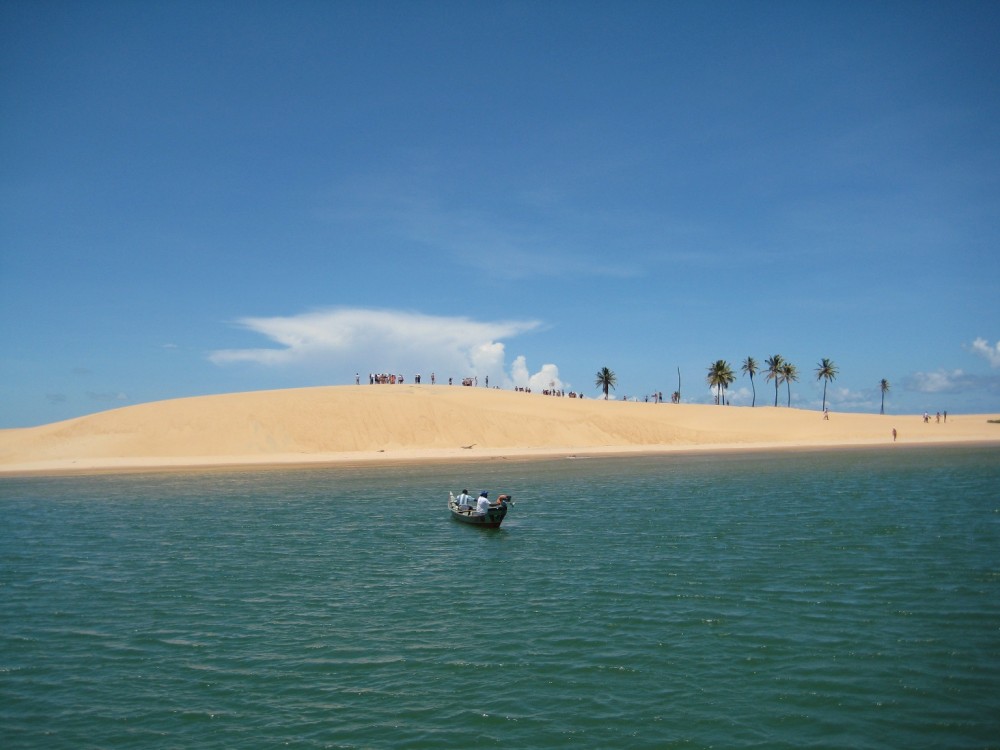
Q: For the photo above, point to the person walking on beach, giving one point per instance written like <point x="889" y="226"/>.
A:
<point x="894" y="434"/>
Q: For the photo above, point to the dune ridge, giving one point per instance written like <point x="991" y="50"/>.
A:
<point x="420" y="422"/>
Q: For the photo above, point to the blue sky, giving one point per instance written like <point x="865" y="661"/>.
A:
<point x="210" y="197"/>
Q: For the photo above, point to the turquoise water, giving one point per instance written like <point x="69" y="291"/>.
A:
<point x="843" y="599"/>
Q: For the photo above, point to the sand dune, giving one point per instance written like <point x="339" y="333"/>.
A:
<point x="411" y="422"/>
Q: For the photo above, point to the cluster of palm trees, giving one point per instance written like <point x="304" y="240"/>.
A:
<point x="721" y="376"/>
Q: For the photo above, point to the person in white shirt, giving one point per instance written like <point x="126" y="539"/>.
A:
<point x="464" y="499"/>
<point x="483" y="503"/>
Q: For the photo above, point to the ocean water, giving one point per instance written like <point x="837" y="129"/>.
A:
<point x="774" y="600"/>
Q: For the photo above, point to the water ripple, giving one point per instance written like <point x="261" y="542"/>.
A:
<point x="796" y="600"/>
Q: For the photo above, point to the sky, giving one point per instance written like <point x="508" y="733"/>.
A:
<point x="213" y="197"/>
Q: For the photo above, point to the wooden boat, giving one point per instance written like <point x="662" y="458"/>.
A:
<point x="491" y="519"/>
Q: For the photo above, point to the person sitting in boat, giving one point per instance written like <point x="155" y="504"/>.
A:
<point x="464" y="501"/>
<point x="483" y="503"/>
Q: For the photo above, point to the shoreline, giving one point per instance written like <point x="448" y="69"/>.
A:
<point x="192" y="464"/>
<point x="371" y="426"/>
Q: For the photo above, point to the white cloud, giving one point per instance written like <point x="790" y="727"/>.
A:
<point x="941" y="381"/>
<point x="389" y="341"/>
<point x="741" y="396"/>
<point x="954" y="381"/>
<point x="846" y="399"/>
<point x="487" y="357"/>
<point x="990" y="353"/>
<point x="519" y="374"/>
<point x="546" y="379"/>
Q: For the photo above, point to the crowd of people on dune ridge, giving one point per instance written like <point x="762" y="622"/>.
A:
<point x="471" y="382"/>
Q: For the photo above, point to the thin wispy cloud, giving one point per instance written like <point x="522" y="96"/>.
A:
<point x="108" y="397"/>
<point x="517" y="240"/>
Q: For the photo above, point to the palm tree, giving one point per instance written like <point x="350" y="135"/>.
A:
<point x="720" y="375"/>
<point x="750" y="368"/>
<point x="606" y="379"/>
<point x="826" y="372"/>
<point x="774" y="365"/>
<point x="884" y="385"/>
<point x="789" y="374"/>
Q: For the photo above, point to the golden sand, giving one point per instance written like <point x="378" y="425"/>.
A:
<point x="395" y="423"/>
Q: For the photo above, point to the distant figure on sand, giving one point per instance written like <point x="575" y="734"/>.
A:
<point x="894" y="434"/>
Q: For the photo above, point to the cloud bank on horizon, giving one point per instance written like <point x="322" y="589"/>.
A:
<point x="391" y="341"/>
<point x="411" y="343"/>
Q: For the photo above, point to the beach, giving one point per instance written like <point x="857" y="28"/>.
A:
<point x="402" y="423"/>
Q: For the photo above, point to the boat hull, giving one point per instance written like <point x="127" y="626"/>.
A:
<point x="491" y="519"/>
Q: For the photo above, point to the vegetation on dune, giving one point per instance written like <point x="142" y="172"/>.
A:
<point x="774" y="366"/>
<point x="789" y="375"/>
<point x="606" y="380"/>
<point x="720" y="376"/>
<point x="749" y="367"/>
<point x="826" y="371"/>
